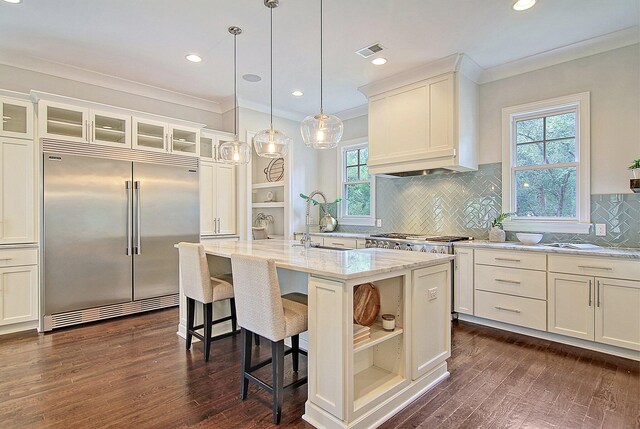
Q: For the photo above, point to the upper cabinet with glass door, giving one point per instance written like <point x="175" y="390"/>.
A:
<point x="150" y="135"/>
<point x="184" y="140"/>
<point x="110" y="129"/>
<point x="17" y="118"/>
<point x="63" y="121"/>
<point x="210" y="141"/>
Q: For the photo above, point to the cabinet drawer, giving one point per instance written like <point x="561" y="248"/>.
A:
<point x="349" y="243"/>
<point x="513" y="281"/>
<point x="527" y="312"/>
<point x="501" y="258"/>
<point x="17" y="257"/>
<point x="597" y="267"/>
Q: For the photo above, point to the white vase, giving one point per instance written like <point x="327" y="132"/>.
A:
<point x="497" y="235"/>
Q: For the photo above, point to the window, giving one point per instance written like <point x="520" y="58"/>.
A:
<point x="546" y="165"/>
<point x="357" y="187"/>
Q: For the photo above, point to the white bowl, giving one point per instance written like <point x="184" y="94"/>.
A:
<point x="529" y="238"/>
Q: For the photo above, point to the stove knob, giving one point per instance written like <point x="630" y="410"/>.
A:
<point x="434" y="250"/>
<point x="423" y="249"/>
<point x="385" y="246"/>
<point x="409" y="248"/>
<point x="381" y="244"/>
<point x="396" y="246"/>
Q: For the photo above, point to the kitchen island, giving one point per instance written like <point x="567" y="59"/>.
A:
<point x="362" y="385"/>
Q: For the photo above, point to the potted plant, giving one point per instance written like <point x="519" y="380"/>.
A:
<point x="328" y="223"/>
<point x="496" y="233"/>
<point x="635" y="169"/>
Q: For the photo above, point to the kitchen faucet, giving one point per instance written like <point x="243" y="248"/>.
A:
<point x="306" y="239"/>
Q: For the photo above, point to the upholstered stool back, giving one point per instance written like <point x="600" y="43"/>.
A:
<point x="257" y="293"/>
<point x="194" y="272"/>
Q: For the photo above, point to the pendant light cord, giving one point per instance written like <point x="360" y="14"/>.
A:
<point x="235" y="86"/>
<point x="271" y="77"/>
<point x="321" y="51"/>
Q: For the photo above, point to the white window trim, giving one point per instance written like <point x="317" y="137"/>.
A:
<point x="342" y="218"/>
<point x="580" y="102"/>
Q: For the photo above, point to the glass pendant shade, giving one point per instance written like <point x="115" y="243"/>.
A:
<point x="234" y="152"/>
<point x="271" y="143"/>
<point x="321" y="131"/>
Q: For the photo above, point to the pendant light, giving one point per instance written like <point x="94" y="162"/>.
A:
<point x="321" y="131"/>
<point x="271" y="143"/>
<point x="236" y="151"/>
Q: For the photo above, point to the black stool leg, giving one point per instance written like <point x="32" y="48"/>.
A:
<point x="277" y="356"/>
<point x="246" y="362"/>
<point x="234" y="319"/>
<point x="191" y="306"/>
<point x="295" y="350"/>
<point x="208" y="319"/>
<point x="256" y="338"/>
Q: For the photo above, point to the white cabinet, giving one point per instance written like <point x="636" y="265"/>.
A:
<point x="596" y="309"/>
<point x="17" y="118"/>
<point x="463" y="281"/>
<point x="17" y="191"/>
<point x="431" y="328"/>
<point x="83" y="125"/>
<point x="210" y="142"/>
<point x="158" y="136"/>
<point x="428" y="123"/>
<point x="18" y="286"/>
<point x="217" y="199"/>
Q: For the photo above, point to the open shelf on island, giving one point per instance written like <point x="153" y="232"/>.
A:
<point x="371" y="383"/>
<point x="377" y="336"/>
<point x="268" y="185"/>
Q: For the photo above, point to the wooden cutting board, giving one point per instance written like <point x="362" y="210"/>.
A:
<point x="366" y="304"/>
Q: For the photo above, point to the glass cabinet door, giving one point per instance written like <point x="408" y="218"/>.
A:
<point x="17" y="118"/>
<point x="185" y="141"/>
<point x="62" y="121"/>
<point x="110" y="129"/>
<point x="149" y="135"/>
<point x="207" y="147"/>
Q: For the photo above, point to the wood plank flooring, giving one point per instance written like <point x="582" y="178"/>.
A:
<point x="134" y="372"/>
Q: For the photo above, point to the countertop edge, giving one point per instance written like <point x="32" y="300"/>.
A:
<point x="602" y="252"/>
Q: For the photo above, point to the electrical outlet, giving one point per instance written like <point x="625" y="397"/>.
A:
<point x="379" y="223"/>
<point x="601" y="229"/>
<point x="433" y="293"/>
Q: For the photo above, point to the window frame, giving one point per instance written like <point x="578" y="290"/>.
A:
<point x="578" y="103"/>
<point x="343" y="218"/>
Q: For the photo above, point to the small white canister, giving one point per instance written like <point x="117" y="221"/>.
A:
<point x="388" y="322"/>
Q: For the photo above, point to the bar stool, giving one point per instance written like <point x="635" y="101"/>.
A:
<point x="262" y="311"/>
<point x="198" y="285"/>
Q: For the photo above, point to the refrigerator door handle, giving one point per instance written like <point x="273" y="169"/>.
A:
<point x="127" y="185"/>
<point x="138" y="247"/>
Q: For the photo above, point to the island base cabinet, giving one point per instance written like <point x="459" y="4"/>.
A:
<point x="570" y="305"/>
<point x="430" y="327"/>
<point x="328" y="345"/>
<point x="617" y="313"/>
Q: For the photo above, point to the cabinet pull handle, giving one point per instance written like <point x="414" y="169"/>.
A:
<point x="508" y="309"/>
<point x="598" y="292"/>
<point x="590" y="282"/>
<point x="86" y="130"/>
<point x="593" y="267"/>
<point x="508" y="259"/>
<point x="91" y="136"/>
<point x="513" y="282"/>
<point x="6" y="259"/>
<point x="337" y="244"/>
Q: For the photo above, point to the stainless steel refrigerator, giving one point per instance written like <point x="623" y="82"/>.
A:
<point x="110" y="225"/>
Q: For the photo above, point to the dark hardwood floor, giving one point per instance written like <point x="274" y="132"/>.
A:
<point x="134" y="372"/>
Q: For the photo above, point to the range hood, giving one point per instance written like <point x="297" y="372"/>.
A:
<point x="425" y="120"/>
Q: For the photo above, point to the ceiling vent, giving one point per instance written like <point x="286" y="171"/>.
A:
<point x="367" y="51"/>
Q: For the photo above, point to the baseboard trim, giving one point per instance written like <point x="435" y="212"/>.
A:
<point x="590" y="345"/>
<point x="18" y="327"/>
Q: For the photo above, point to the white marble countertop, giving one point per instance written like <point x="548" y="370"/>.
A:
<point x="338" y="234"/>
<point x="601" y="251"/>
<point x="340" y="264"/>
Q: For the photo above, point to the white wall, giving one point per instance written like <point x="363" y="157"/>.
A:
<point x="613" y="78"/>
<point x="21" y="80"/>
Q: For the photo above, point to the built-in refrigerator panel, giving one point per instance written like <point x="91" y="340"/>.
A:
<point x="87" y="206"/>
<point x="166" y="211"/>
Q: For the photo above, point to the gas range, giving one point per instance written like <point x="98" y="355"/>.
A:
<point x="414" y="242"/>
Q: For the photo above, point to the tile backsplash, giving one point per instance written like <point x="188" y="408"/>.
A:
<point x="465" y="204"/>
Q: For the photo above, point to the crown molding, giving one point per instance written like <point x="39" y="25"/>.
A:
<point x="265" y="108"/>
<point x="607" y="42"/>
<point x="65" y="71"/>
<point x="354" y="112"/>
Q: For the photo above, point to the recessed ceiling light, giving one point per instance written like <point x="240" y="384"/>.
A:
<point x="297" y="93"/>
<point x="379" y="61"/>
<point x="194" y="58"/>
<point x="251" y="78"/>
<point x="521" y="5"/>
<point x="13" y="1"/>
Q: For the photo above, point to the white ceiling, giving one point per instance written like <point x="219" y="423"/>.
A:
<point x="146" y="40"/>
